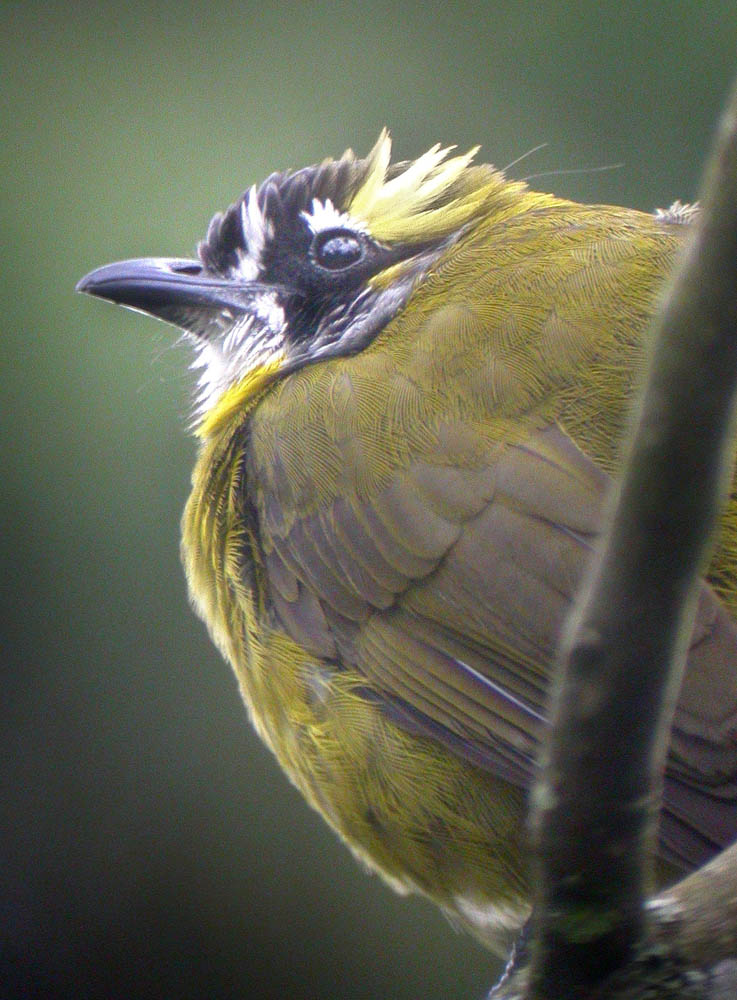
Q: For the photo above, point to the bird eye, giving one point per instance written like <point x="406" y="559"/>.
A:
<point x="337" y="249"/>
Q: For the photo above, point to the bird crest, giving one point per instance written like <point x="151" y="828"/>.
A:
<point x="421" y="199"/>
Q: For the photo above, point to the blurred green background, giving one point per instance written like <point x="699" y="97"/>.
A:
<point x="150" y="846"/>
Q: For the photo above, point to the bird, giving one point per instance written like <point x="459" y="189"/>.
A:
<point x="414" y="384"/>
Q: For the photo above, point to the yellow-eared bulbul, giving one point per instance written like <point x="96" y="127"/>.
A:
<point x="414" y="383"/>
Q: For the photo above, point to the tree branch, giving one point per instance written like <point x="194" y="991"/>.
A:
<point x="596" y="805"/>
<point x="698" y="917"/>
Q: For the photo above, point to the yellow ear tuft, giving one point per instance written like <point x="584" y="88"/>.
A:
<point x="422" y="200"/>
<point x="378" y="160"/>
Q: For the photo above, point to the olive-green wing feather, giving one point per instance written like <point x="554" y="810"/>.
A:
<point x="449" y="595"/>
<point x="426" y="515"/>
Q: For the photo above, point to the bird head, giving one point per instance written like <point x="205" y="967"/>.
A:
<point x="311" y="264"/>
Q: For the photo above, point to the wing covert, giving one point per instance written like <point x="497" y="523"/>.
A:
<point x="426" y="587"/>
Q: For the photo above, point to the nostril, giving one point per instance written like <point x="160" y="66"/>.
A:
<point x="189" y="268"/>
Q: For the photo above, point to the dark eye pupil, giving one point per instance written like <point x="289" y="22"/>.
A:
<point x="337" y="249"/>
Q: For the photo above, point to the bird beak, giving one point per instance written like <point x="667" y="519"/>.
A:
<point x="180" y="292"/>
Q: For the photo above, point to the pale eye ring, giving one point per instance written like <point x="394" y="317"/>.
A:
<point x="337" y="249"/>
